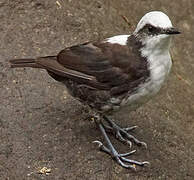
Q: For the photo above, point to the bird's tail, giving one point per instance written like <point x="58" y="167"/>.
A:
<point x="24" y="63"/>
<point x="29" y="62"/>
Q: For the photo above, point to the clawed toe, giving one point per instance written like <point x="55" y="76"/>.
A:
<point x="127" y="154"/>
<point x="130" y="128"/>
<point x="121" y="158"/>
<point x="99" y="143"/>
<point x="143" y="144"/>
<point x="122" y="134"/>
<point x="122" y="139"/>
<point x="102" y="147"/>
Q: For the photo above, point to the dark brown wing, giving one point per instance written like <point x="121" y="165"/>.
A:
<point x="114" y="65"/>
<point x="96" y="60"/>
<point x="61" y="73"/>
<point x="104" y="66"/>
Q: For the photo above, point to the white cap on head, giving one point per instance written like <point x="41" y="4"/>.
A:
<point x="155" y="18"/>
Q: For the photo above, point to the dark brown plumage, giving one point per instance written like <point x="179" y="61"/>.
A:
<point x="95" y="72"/>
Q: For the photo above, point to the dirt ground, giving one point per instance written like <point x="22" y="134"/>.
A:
<point x="42" y="127"/>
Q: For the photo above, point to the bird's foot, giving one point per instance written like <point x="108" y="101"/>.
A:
<point x="122" y="134"/>
<point x="120" y="158"/>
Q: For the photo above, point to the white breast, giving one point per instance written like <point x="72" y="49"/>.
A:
<point x="159" y="65"/>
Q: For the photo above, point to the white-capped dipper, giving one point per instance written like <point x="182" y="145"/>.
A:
<point x="121" y="72"/>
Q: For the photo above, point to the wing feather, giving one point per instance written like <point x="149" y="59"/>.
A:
<point x="102" y="65"/>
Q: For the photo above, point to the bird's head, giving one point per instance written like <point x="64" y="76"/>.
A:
<point x="154" y="30"/>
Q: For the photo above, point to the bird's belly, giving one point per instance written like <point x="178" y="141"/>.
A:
<point x="145" y="91"/>
<point x="135" y="100"/>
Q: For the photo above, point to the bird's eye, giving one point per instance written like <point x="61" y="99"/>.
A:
<point x="150" y="29"/>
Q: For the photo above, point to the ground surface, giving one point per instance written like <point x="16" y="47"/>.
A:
<point x="42" y="126"/>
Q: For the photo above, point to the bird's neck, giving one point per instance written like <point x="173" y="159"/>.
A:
<point x="157" y="46"/>
<point x="159" y="61"/>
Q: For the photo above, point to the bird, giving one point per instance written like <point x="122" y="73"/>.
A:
<point x="116" y="73"/>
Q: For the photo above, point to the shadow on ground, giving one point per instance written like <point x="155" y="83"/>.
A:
<point x="42" y="126"/>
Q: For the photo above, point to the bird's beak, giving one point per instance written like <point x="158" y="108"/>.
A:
<point x="171" y="31"/>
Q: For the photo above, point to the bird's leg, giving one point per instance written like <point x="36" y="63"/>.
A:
<point x="122" y="134"/>
<point x="120" y="158"/>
